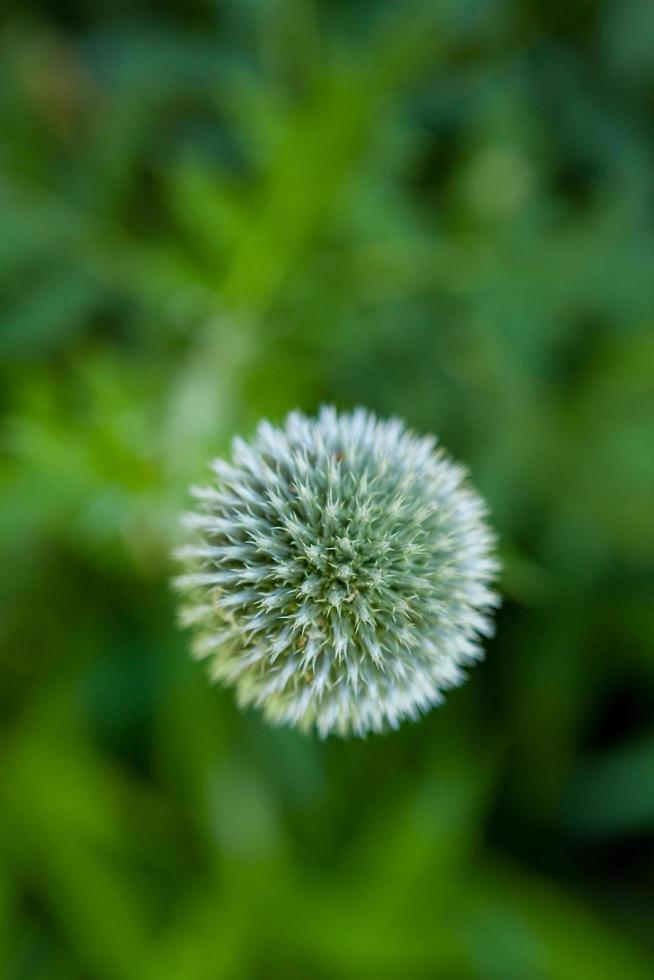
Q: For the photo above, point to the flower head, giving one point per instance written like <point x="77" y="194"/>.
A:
<point x="339" y="574"/>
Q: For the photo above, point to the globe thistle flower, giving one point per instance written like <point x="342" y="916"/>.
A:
<point x="339" y="573"/>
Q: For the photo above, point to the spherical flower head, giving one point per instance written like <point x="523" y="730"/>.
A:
<point x="340" y="572"/>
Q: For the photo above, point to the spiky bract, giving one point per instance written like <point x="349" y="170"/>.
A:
<point x="340" y="572"/>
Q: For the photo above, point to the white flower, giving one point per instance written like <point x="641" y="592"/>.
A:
<point x="340" y="572"/>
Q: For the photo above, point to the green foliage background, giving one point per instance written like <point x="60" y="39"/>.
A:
<point x="215" y="211"/>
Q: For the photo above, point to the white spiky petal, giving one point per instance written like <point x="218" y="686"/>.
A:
<point x="339" y="573"/>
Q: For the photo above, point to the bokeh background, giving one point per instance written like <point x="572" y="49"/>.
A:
<point x="217" y="210"/>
